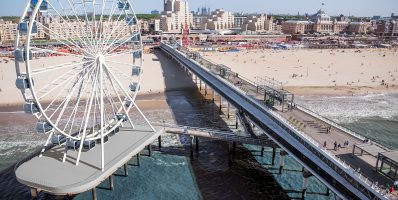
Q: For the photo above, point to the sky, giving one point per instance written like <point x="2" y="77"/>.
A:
<point x="332" y="7"/>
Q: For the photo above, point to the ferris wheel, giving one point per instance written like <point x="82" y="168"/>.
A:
<point x="87" y="87"/>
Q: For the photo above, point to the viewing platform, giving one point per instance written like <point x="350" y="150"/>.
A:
<point x="48" y="173"/>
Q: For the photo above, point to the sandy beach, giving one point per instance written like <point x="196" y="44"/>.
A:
<point x="153" y="82"/>
<point x="324" y="72"/>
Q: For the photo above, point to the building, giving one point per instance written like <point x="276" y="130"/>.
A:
<point x="219" y="20"/>
<point x="322" y="23"/>
<point x="239" y="19"/>
<point x="8" y="32"/>
<point x="387" y="28"/>
<point x="198" y="20"/>
<point x="155" y="12"/>
<point x="259" y="23"/>
<point x="176" y="16"/>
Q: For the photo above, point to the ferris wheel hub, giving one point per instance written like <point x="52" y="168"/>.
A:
<point x="100" y="59"/>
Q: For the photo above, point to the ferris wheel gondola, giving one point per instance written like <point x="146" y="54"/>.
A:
<point x="83" y="97"/>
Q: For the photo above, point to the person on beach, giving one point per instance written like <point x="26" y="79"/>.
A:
<point x="324" y="145"/>
<point x="335" y="145"/>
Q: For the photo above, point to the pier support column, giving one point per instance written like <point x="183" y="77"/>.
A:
<point x="205" y="91"/>
<point x="327" y="192"/>
<point x="197" y="144"/>
<point x="111" y="182"/>
<point x="94" y="194"/>
<point x="306" y="175"/>
<point x="34" y="193"/>
<point x="236" y="122"/>
<point x="214" y="96"/>
<point x="160" y="142"/>
<point x="282" y="161"/>
<point x="126" y="172"/>
<point x="138" y="160"/>
<point x="149" y="148"/>
<point x="200" y="84"/>
<point x="220" y="104"/>
<point x="273" y="155"/>
<point x="228" y="111"/>
<point x="191" y="146"/>
<point x="262" y="151"/>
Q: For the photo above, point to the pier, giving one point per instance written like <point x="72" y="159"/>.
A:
<point x="289" y="126"/>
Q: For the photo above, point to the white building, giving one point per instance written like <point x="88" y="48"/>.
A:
<point x="176" y="16"/>
<point x="219" y="20"/>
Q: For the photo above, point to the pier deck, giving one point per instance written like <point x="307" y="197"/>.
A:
<point x="50" y="174"/>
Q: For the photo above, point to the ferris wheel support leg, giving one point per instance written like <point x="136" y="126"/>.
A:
<point x="102" y="116"/>
<point x="45" y="145"/>
<point x="146" y="120"/>
<point x="86" y="122"/>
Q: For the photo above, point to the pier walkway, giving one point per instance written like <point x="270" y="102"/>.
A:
<point x="48" y="173"/>
<point x="326" y="165"/>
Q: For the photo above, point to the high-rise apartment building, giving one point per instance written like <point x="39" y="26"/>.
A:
<point x="219" y="20"/>
<point x="176" y="16"/>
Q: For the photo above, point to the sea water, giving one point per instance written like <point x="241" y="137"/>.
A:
<point x="170" y="176"/>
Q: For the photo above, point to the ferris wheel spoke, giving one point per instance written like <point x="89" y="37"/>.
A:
<point x="108" y="22"/>
<point x="80" y="21"/>
<point x="67" y="21"/>
<point x="118" y="24"/>
<point x="83" y="138"/>
<point x="41" y="50"/>
<point x="120" y="100"/>
<point x="121" y="44"/>
<point x="121" y="53"/>
<point x="59" y="84"/>
<point x="80" y="81"/>
<point x="66" y="99"/>
<point x="119" y="63"/>
<point x="58" y="38"/>
<point x="57" y="67"/>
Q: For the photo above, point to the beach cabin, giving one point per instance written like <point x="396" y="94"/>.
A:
<point x="72" y="144"/>
<point x="57" y="139"/>
<point x="30" y="107"/>
<point x="20" y="55"/>
<point x="136" y="71"/>
<point x="44" y="127"/>
<point x="123" y="5"/>
<point x="43" y="7"/>
<point x="122" y="117"/>
<point x="134" y="87"/>
<point x="23" y="28"/>
<point x="22" y="83"/>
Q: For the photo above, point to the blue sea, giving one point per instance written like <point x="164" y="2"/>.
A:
<point x="171" y="174"/>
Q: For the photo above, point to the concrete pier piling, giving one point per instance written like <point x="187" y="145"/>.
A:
<point x="197" y="144"/>
<point x="262" y="151"/>
<point x="138" y="160"/>
<point x="282" y="161"/>
<point x="126" y="172"/>
<point x="34" y="193"/>
<point x="160" y="142"/>
<point x="111" y="182"/>
<point x="273" y="155"/>
<point x="94" y="193"/>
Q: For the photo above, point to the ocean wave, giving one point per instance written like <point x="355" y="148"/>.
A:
<point x="347" y="109"/>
